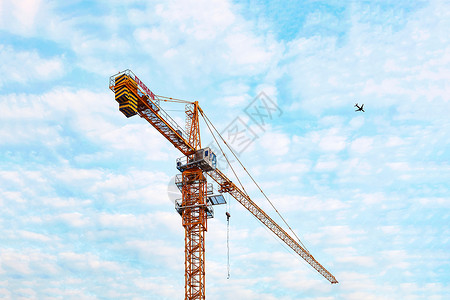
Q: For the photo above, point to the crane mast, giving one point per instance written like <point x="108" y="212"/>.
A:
<point x="195" y="207"/>
<point x="193" y="212"/>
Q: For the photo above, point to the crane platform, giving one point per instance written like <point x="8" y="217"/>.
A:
<point x="205" y="159"/>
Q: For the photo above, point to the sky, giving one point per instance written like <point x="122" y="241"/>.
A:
<point x="87" y="194"/>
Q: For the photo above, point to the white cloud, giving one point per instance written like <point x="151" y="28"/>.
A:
<point x="325" y="166"/>
<point x="234" y="100"/>
<point x="124" y="221"/>
<point x="390" y="229"/>
<point x="363" y="261"/>
<point x="362" y="145"/>
<point x="179" y="33"/>
<point x="74" y="219"/>
<point x="372" y="199"/>
<point x="22" y="14"/>
<point x="434" y="202"/>
<point x="356" y="168"/>
<point x="399" y="166"/>
<point x="289" y="167"/>
<point x="168" y="254"/>
<point x="64" y="177"/>
<point x="28" y="66"/>
<point x="171" y="35"/>
<point x="159" y="286"/>
<point x="44" y="119"/>
<point x="327" y="163"/>
<point x="87" y="262"/>
<point x="275" y="143"/>
<point x="295" y="203"/>
<point x="332" y="143"/>
<point x="357" y="122"/>
<point x="28" y="262"/>
<point x="233" y="87"/>
<point x="247" y="50"/>
<point x="202" y="19"/>
<point x="28" y="235"/>
<point x="395" y="141"/>
<point x="397" y="258"/>
<point x="138" y="136"/>
<point x="373" y="67"/>
<point x="337" y="235"/>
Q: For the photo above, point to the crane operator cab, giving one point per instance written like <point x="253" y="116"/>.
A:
<point x="204" y="159"/>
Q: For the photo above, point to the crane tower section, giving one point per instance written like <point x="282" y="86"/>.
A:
<point x="196" y="205"/>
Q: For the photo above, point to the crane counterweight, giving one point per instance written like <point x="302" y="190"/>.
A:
<point x="125" y="88"/>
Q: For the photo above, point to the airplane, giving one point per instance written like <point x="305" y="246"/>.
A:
<point x="360" y="108"/>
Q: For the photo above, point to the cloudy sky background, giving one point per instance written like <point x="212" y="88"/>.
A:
<point x="85" y="207"/>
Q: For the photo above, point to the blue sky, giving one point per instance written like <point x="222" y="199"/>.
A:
<point x="86" y="206"/>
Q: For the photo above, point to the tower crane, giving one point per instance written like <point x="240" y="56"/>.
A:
<point x="198" y="199"/>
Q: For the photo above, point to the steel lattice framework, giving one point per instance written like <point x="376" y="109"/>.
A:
<point x="135" y="98"/>
<point x="195" y="224"/>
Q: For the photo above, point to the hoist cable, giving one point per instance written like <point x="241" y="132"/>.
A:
<point x="228" y="245"/>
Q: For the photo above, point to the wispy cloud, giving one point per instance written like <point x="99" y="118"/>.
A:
<point x="28" y="66"/>
<point x="84" y="191"/>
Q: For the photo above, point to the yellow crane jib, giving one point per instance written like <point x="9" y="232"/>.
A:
<point x="134" y="97"/>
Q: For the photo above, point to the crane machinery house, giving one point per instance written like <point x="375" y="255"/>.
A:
<point x="204" y="158"/>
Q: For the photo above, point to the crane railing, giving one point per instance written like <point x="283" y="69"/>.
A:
<point x="227" y="186"/>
